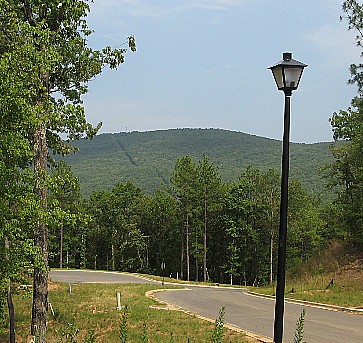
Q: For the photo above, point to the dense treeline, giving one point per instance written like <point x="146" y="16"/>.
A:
<point x="196" y="228"/>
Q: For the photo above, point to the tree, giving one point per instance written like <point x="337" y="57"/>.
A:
<point x="246" y="230"/>
<point x="16" y="198"/>
<point x="16" y="248"/>
<point x="353" y="10"/>
<point x="270" y="200"/>
<point x="65" y="196"/>
<point x="100" y="209"/>
<point x="127" y="214"/>
<point x="305" y="225"/>
<point x="45" y="46"/>
<point x="184" y="188"/>
<point x="161" y="226"/>
<point x="115" y="216"/>
<point x="346" y="172"/>
<point x="251" y="216"/>
<point x="211" y="194"/>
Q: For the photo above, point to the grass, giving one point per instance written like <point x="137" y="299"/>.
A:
<point x="337" y="263"/>
<point x="339" y="295"/>
<point x="93" y="307"/>
<point x="343" y="292"/>
<point x="183" y="282"/>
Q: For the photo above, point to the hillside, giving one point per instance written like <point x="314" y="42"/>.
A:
<point x="148" y="158"/>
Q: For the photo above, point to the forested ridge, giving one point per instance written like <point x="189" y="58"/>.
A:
<point x="147" y="158"/>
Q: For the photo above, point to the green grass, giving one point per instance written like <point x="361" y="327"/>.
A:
<point x="340" y="262"/>
<point x="184" y="282"/>
<point x="344" y="292"/>
<point x="93" y="307"/>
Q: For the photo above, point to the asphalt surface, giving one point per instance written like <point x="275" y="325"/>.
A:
<point x="83" y="276"/>
<point x="255" y="314"/>
<point x="251" y="313"/>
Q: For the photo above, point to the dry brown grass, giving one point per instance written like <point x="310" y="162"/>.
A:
<point x="340" y="263"/>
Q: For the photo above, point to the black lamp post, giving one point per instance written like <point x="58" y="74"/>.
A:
<point x="287" y="74"/>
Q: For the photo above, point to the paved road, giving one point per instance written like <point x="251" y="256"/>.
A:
<point x="255" y="314"/>
<point x="251" y="313"/>
<point x="83" y="276"/>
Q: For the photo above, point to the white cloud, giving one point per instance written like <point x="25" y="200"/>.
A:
<point x="336" y="44"/>
<point x="135" y="8"/>
<point x="146" y="8"/>
<point x="214" y="4"/>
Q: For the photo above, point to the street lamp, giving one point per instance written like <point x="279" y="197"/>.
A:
<point x="287" y="74"/>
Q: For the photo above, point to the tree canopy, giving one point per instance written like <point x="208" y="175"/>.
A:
<point x="346" y="172"/>
<point x="45" y="67"/>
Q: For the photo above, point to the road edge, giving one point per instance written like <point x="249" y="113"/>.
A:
<point x="311" y="304"/>
<point x="169" y="306"/>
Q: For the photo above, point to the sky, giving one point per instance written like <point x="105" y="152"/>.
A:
<point x="203" y="64"/>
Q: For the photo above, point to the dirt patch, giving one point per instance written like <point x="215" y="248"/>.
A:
<point x="352" y="271"/>
<point x="53" y="286"/>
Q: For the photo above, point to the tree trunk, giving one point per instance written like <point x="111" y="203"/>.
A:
<point x="187" y="247"/>
<point x="271" y="256"/>
<point x="83" y="252"/>
<point x="196" y="257"/>
<point x="182" y="255"/>
<point x="205" y="239"/>
<point x="40" y="283"/>
<point x="271" y="238"/>
<point x="113" y="256"/>
<point x="9" y="298"/>
<point x="61" y="247"/>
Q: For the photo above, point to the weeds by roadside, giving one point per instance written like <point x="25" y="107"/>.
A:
<point x="123" y="325"/>
<point x="299" y="333"/>
<point x="68" y="333"/>
<point x="218" y="332"/>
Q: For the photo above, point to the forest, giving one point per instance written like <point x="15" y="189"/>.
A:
<point x="211" y="219"/>
<point x="147" y="158"/>
<point x="196" y="227"/>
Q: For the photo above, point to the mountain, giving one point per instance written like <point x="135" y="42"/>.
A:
<point x="148" y="158"/>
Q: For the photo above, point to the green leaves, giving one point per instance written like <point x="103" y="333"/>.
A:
<point x="299" y="333"/>
<point x="354" y="16"/>
<point x="47" y="53"/>
<point x="199" y="191"/>
<point x="218" y="332"/>
<point x="45" y="66"/>
<point x="132" y="43"/>
<point x="346" y="172"/>
<point x="116" y="218"/>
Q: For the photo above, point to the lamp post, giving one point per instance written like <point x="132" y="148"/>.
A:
<point x="287" y="74"/>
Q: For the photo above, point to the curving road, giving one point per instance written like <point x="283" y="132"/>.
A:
<point x="251" y="313"/>
<point x="88" y="276"/>
<point x="255" y="314"/>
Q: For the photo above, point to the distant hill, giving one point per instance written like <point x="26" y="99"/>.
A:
<point x="148" y="158"/>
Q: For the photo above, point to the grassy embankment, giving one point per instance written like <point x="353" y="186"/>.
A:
<point x="333" y="277"/>
<point x="93" y="307"/>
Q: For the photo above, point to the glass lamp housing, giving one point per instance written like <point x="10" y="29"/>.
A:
<point x="287" y="73"/>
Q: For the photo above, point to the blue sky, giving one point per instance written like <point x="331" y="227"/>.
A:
<point x="203" y="64"/>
